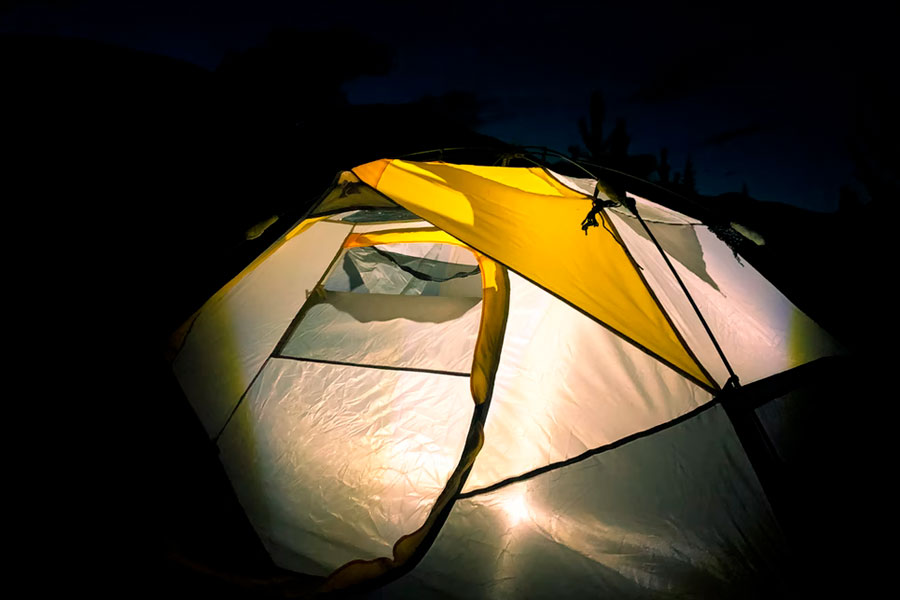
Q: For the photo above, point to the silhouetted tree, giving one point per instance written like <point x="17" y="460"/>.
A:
<point x="613" y="151"/>
<point x="663" y="167"/>
<point x="690" y="177"/>
<point x="592" y="131"/>
<point x="618" y="142"/>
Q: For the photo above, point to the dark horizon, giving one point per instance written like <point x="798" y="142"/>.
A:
<point x="760" y="101"/>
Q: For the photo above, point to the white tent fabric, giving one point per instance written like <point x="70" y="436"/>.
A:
<point x="236" y="331"/>
<point x="673" y="515"/>
<point x="371" y="312"/>
<point x="380" y="443"/>
<point x="760" y="331"/>
<point x="334" y="463"/>
<point x="554" y="398"/>
<point x="424" y="332"/>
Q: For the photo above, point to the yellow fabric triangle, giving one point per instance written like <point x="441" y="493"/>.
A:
<point x="530" y="222"/>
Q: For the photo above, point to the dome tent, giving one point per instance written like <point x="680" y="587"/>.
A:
<point x="438" y="372"/>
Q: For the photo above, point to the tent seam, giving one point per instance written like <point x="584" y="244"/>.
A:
<point x="368" y="366"/>
<point x="592" y="452"/>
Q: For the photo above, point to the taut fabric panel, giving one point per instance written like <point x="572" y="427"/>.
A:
<point x="760" y="331"/>
<point x="526" y="220"/>
<point x="238" y="328"/>
<point x="372" y="312"/>
<point x="425" y="332"/>
<point x="566" y="385"/>
<point x="336" y="463"/>
<point x="678" y="514"/>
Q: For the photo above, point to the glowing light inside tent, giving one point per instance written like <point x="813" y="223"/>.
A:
<point x="516" y="508"/>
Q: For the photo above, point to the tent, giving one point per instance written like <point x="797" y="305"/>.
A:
<point x="471" y="381"/>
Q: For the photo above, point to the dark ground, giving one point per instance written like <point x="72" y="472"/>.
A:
<point x="134" y="178"/>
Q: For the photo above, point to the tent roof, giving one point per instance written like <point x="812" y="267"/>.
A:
<point x="527" y="219"/>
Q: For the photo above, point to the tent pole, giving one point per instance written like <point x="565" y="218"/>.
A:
<point x="632" y="206"/>
<point x="750" y="432"/>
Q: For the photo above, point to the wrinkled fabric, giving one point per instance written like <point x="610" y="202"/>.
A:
<point x="424" y="332"/>
<point x="238" y="328"/>
<point x="565" y="385"/>
<point x="371" y="312"/>
<point x="678" y="514"/>
<point x="376" y="270"/>
<point x="335" y="463"/>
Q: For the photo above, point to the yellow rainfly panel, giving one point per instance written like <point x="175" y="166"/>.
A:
<point x="530" y="222"/>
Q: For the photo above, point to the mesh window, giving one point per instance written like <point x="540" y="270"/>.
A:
<point x="380" y="215"/>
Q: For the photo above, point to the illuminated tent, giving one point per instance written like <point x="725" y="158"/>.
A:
<point x="439" y="374"/>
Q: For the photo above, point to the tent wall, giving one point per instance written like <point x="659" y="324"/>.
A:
<point x="234" y="333"/>
<point x="678" y="514"/>
<point x="760" y="331"/>
<point x="334" y="463"/>
<point x="422" y="332"/>
<point x="566" y="385"/>
<point x="370" y="311"/>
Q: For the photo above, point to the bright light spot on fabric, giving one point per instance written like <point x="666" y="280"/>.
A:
<point x="516" y="509"/>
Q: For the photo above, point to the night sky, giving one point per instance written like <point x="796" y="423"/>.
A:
<point x="757" y="95"/>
